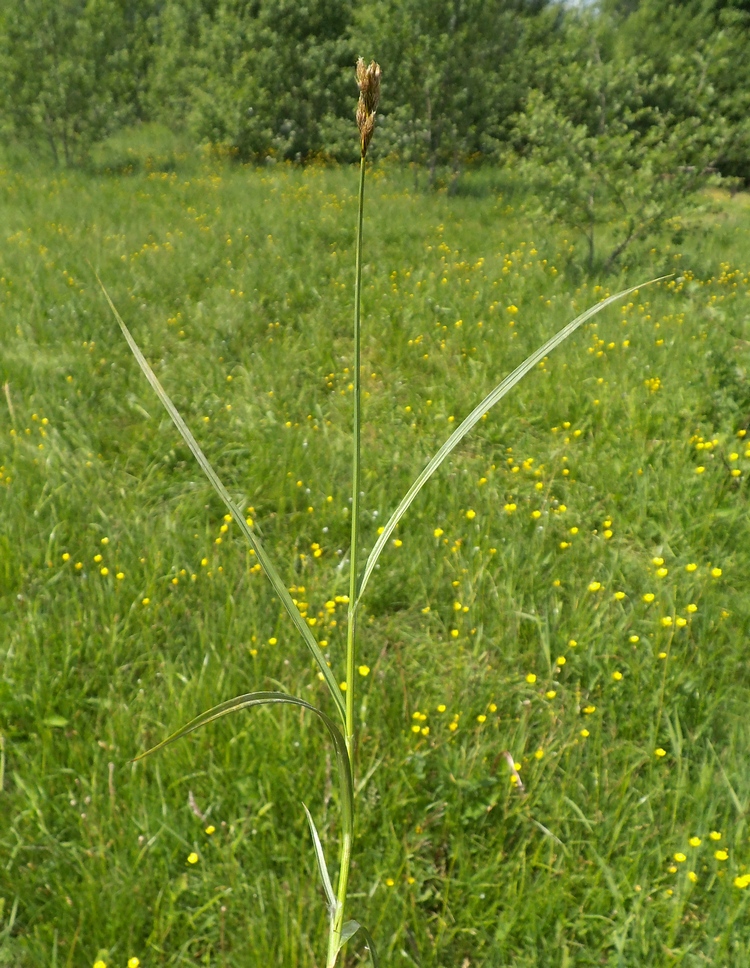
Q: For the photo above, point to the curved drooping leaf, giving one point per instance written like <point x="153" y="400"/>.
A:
<point x="322" y="866"/>
<point x="278" y="698"/>
<point x="473" y="419"/>
<point x="266" y="563"/>
<point x="348" y="931"/>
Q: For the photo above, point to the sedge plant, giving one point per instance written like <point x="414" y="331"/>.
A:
<point x="339" y="723"/>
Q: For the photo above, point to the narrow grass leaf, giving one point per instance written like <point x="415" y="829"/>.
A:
<point x="350" y="929"/>
<point x="266" y="563"/>
<point x="322" y="867"/>
<point x="370" y="946"/>
<point x="473" y="419"/>
<point x="277" y="698"/>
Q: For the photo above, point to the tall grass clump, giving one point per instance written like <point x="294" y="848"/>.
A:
<point x="339" y="719"/>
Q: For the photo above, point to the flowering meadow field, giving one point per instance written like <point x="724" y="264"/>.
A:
<point x="571" y="587"/>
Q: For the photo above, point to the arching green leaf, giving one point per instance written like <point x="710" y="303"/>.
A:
<point x="278" y="698"/>
<point x="266" y="563"/>
<point x="473" y="419"/>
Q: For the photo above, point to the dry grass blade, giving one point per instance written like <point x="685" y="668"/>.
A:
<point x="474" y="417"/>
<point x="268" y="566"/>
<point x="514" y="772"/>
<point x="269" y="699"/>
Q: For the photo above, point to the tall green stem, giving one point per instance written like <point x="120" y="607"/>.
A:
<point x="354" y="546"/>
<point x="346" y="844"/>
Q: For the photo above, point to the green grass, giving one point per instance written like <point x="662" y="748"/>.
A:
<point x="452" y="865"/>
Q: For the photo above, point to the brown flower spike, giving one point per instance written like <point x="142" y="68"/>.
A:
<point x="368" y="79"/>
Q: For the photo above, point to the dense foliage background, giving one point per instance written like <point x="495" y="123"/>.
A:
<point x="273" y="78"/>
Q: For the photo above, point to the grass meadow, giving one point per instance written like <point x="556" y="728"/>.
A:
<point x="571" y="587"/>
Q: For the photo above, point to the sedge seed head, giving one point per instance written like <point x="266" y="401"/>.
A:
<point x="368" y="81"/>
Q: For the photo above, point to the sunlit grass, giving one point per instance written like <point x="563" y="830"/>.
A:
<point x="475" y="596"/>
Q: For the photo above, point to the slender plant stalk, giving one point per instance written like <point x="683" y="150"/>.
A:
<point x="351" y="630"/>
<point x="368" y="79"/>
<point x="351" y="649"/>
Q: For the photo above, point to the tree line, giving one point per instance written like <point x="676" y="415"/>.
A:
<point x="462" y="79"/>
<point x="613" y="111"/>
